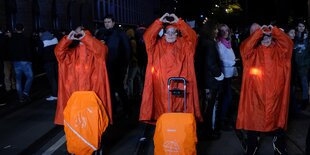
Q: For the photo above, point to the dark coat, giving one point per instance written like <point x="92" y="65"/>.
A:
<point x="118" y="44"/>
<point x="119" y="53"/>
<point x="207" y="64"/>
<point x="301" y="54"/>
<point x="19" y="48"/>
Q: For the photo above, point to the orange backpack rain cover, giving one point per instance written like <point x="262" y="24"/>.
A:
<point x="85" y="119"/>
<point x="175" y="134"/>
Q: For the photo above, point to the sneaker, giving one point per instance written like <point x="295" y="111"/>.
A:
<point x="22" y="100"/>
<point x="26" y="98"/>
<point x="51" y="98"/>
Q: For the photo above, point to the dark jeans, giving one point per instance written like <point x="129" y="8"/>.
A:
<point x="304" y="86"/>
<point x="23" y="67"/>
<point x="294" y="107"/>
<point x="51" y="69"/>
<point x="227" y="99"/>
<point x="303" y="79"/>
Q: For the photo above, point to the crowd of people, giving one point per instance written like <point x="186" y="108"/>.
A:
<point x="127" y="66"/>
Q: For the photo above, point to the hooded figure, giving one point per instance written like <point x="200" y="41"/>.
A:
<point x="82" y="68"/>
<point x="171" y="55"/>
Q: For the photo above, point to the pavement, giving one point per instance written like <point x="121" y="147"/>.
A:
<point x="140" y="140"/>
<point x="128" y="136"/>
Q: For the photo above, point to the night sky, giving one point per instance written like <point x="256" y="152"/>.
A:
<point x="261" y="11"/>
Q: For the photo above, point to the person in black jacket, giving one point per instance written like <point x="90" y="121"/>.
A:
<point x="21" y="55"/>
<point x="46" y="48"/>
<point x="209" y="74"/>
<point x="119" y="53"/>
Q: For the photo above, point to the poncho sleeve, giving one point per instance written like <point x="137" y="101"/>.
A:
<point x="188" y="34"/>
<point x="99" y="48"/>
<point x="151" y="34"/>
<point x="61" y="50"/>
<point x="247" y="46"/>
<point x="283" y="42"/>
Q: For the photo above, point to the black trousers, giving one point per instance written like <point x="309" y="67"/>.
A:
<point x="253" y="141"/>
<point x="211" y="113"/>
<point x="51" y="69"/>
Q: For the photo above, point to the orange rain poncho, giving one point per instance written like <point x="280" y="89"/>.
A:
<point x="264" y="98"/>
<point x="82" y="68"/>
<point x="169" y="60"/>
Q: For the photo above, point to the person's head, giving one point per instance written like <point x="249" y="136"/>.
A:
<point x="140" y="31"/>
<point x="41" y="31"/>
<point x="254" y="27"/>
<point x="19" y="28"/>
<point x="209" y="29"/>
<point x="266" y="40"/>
<point x="291" y="33"/>
<point x="170" y="34"/>
<point x="109" y="22"/>
<point x="301" y="27"/>
<point x="79" y="29"/>
<point x="130" y="33"/>
<point x="224" y="31"/>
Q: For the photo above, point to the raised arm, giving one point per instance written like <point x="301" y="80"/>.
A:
<point x="151" y="34"/>
<point x="283" y="41"/>
<point x="61" y="49"/>
<point x="249" y="44"/>
<point x="99" y="48"/>
<point x="187" y="32"/>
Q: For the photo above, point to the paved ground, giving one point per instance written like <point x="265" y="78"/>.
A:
<point x="130" y="137"/>
<point x="227" y="144"/>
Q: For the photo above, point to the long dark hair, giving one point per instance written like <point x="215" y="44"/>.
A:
<point x="207" y="30"/>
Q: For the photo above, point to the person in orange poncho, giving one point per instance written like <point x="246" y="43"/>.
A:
<point x="264" y="98"/>
<point x="169" y="56"/>
<point x="81" y="68"/>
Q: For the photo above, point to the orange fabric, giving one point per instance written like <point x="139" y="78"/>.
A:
<point x="175" y="134"/>
<point x="82" y="68"/>
<point x="168" y="60"/>
<point x="85" y="121"/>
<point x="264" y="97"/>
